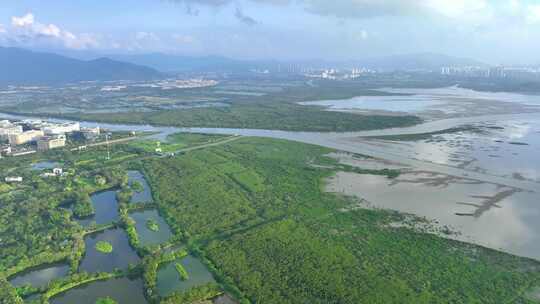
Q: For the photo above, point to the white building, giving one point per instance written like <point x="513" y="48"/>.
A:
<point x="13" y="179"/>
<point x="7" y="129"/>
<point x="25" y="137"/>
<point x="58" y="129"/>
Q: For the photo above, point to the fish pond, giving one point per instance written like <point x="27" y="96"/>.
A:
<point x="169" y="280"/>
<point x="105" y="206"/>
<point x="121" y="256"/>
<point x="40" y="276"/>
<point x="151" y="227"/>
<point x="144" y="196"/>
<point x="122" y="290"/>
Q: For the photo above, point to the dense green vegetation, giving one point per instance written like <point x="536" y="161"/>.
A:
<point x="152" y="225"/>
<point x="83" y="205"/>
<point x="176" y="141"/>
<point x="181" y="271"/>
<point x="106" y="301"/>
<point x="264" y="228"/>
<point x="104" y="247"/>
<point x="8" y="294"/>
<point x="194" y="295"/>
<point x="280" y="239"/>
<point x="276" y="116"/>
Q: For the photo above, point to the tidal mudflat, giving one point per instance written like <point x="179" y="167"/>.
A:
<point x="435" y="103"/>
<point x="507" y="148"/>
<point x="494" y="216"/>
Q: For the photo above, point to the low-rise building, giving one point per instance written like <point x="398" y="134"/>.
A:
<point x="13" y="179"/>
<point x="90" y="133"/>
<point x="51" y="142"/>
<point x="57" y="129"/>
<point x="9" y="129"/>
<point x="25" y="137"/>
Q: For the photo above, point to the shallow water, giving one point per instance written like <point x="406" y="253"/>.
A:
<point x="105" y="206"/>
<point x="43" y="165"/>
<point x="41" y="276"/>
<point x="168" y="280"/>
<point x="406" y="104"/>
<point x="508" y="148"/>
<point x="497" y="217"/>
<point x="122" y="290"/>
<point x="140" y="197"/>
<point x="450" y="101"/>
<point x="121" y="256"/>
<point x="147" y="236"/>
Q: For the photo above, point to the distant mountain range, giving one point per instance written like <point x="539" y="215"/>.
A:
<point x="19" y="66"/>
<point x="420" y="61"/>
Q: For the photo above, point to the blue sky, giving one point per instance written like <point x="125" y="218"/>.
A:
<point x="497" y="31"/>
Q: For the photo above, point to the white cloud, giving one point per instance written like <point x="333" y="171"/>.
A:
<point x="185" y="39"/>
<point x="2" y="29"/>
<point x="24" y="21"/>
<point x="28" y="30"/>
<point x="146" y="36"/>
<point x="533" y="15"/>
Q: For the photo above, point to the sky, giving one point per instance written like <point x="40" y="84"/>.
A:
<point x="493" y="31"/>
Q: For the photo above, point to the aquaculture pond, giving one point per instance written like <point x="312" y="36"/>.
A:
<point x="40" y="276"/>
<point x="121" y="256"/>
<point x="144" y="220"/>
<point x="122" y="290"/>
<point x="105" y="206"/>
<point x="144" y="196"/>
<point x="169" y="281"/>
<point x="44" y="165"/>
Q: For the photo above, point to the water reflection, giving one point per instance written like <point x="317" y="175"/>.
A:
<point x="41" y="276"/>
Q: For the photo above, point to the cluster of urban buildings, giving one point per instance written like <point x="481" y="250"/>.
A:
<point x="500" y="72"/>
<point x="336" y="74"/>
<point x="18" y="138"/>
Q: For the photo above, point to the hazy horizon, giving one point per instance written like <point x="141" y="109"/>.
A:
<point x="494" y="32"/>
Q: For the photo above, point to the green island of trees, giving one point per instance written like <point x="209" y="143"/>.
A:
<point x="181" y="271"/>
<point x="137" y="186"/>
<point x="104" y="247"/>
<point x="152" y="225"/>
<point x="106" y="300"/>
